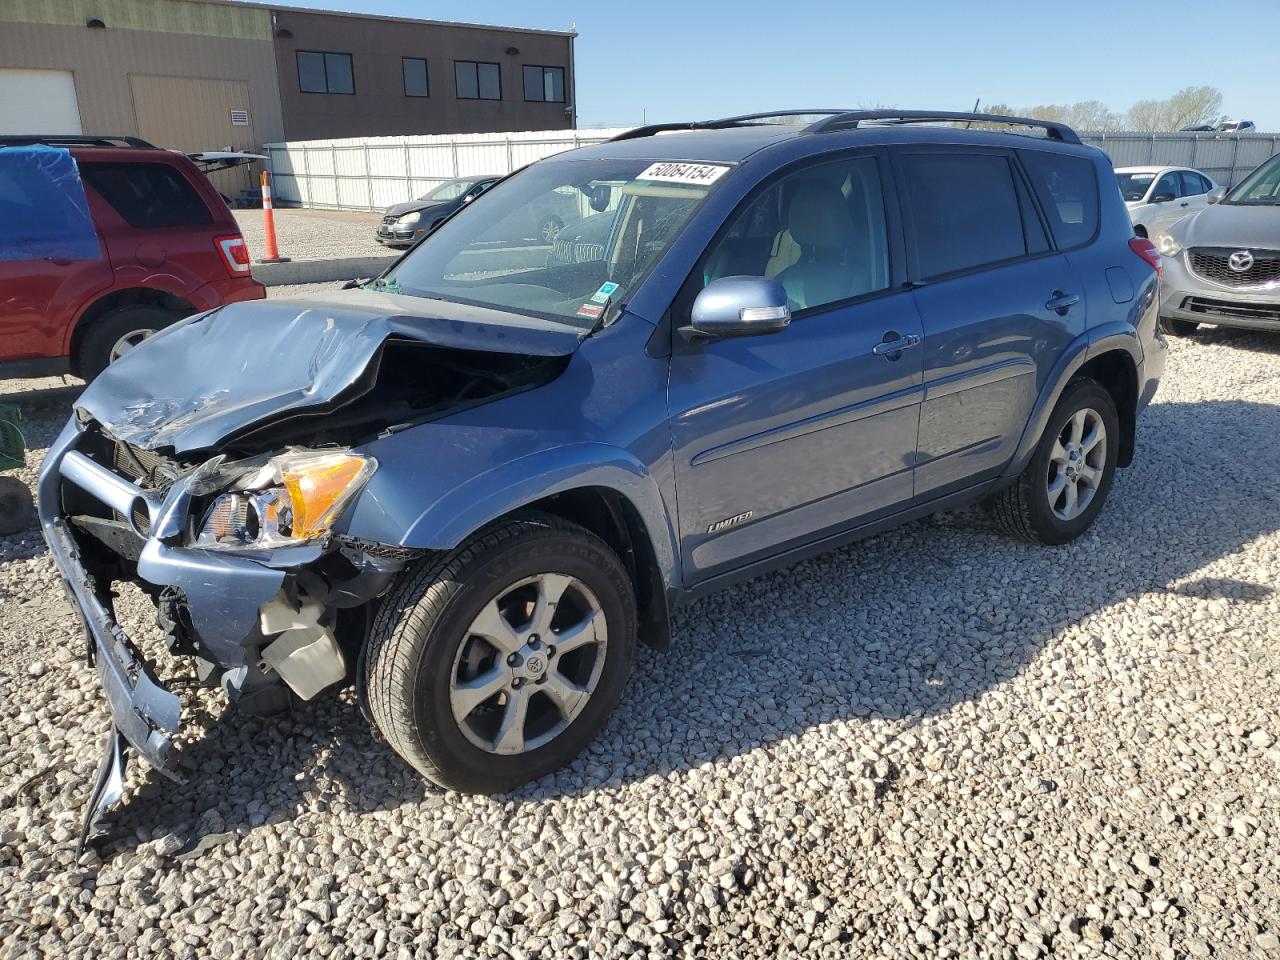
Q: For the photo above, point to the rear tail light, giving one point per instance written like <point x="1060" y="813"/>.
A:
<point x="235" y="254"/>
<point x="1147" y="251"/>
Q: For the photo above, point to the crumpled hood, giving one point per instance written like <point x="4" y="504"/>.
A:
<point x="1232" y="225"/>
<point x="212" y="376"/>
<point x="400" y="209"/>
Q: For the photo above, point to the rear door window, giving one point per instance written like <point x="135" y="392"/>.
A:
<point x="1192" y="184"/>
<point x="148" y="195"/>
<point x="964" y="211"/>
<point x="1068" y="190"/>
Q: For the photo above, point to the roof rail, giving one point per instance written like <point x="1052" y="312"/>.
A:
<point x="744" y="120"/>
<point x="74" y="140"/>
<point x="851" y="120"/>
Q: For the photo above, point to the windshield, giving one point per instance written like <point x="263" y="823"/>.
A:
<point x="1134" y="186"/>
<point x="616" y="218"/>
<point x="1262" y="187"/>
<point x="448" y="190"/>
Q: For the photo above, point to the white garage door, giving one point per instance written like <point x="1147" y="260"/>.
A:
<point x="38" y="101"/>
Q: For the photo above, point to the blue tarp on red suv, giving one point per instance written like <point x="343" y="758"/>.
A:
<point x="43" y="210"/>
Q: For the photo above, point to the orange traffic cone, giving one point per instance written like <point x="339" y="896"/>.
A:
<point x="269" y="224"/>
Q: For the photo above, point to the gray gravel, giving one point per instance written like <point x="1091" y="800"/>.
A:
<point x="315" y="234"/>
<point x="936" y="743"/>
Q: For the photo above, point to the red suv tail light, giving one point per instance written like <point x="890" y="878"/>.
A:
<point x="1147" y="251"/>
<point x="235" y="254"/>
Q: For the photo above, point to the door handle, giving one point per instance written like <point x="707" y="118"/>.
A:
<point x="1185" y="203"/>
<point x="890" y="348"/>
<point x="1061" y="302"/>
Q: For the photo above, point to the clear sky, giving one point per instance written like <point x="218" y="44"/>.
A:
<point x="666" y="60"/>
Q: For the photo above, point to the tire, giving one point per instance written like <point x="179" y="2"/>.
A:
<point x="102" y="340"/>
<point x="550" y="228"/>
<point x="423" y="648"/>
<point x="17" y="511"/>
<point x="1028" y="509"/>
<point x="1179" y="328"/>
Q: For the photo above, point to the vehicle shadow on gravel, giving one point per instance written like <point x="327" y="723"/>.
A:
<point x="917" y="620"/>
<point x="1254" y="342"/>
<point x="901" y="626"/>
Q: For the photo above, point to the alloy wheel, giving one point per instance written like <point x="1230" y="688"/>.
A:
<point x="127" y="343"/>
<point x="1076" y="464"/>
<point x="528" y="664"/>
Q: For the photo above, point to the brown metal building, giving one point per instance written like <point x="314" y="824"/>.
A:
<point x="210" y="74"/>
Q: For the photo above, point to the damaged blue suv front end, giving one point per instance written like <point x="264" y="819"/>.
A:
<point x="264" y="472"/>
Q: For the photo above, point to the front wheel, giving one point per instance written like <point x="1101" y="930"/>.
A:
<point x="1063" y="488"/>
<point x="500" y="661"/>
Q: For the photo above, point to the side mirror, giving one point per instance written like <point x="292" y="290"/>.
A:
<point x="1162" y="198"/>
<point x="739" y="307"/>
<point x="469" y="197"/>
<point x="1216" y="194"/>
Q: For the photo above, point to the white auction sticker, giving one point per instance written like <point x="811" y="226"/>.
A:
<point x="671" y="171"/>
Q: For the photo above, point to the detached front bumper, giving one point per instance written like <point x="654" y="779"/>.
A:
<point x="1186" y="296"/>
<point x="145" y="713"/>
<point x="224" y="594"/>
<point x="263" y="624"/>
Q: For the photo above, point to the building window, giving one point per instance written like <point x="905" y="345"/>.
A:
<point x="477" y="81"/>
<point x="415" y="77"/>
<point x="325" y="72"/>
<point x="544" y="84"/>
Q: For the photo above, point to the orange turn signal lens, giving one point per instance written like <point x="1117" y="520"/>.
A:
<point x="319" y="487"/>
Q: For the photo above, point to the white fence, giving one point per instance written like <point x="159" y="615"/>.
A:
<point x="373" y="173"/>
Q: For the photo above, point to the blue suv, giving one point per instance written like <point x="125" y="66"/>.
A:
<point x="472" y="485"/>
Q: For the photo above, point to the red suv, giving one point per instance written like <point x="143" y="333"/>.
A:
<point x="167" y="247"/>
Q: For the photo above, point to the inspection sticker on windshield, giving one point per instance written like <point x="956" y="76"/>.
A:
<point x="604" y="293"/>
<point x="697" y="173"/>
<point x="591" y="310"/>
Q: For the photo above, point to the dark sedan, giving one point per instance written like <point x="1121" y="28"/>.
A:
<point x="405" y="223"/>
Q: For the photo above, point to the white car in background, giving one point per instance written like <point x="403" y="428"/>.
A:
<point x="1158" y="197"/>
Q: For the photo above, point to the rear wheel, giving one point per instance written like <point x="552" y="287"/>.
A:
<point x="1063" y="488"/>
<point x="119" y="331"/>
<point x="1179" y="328"/>
<point x="501" y="661"/>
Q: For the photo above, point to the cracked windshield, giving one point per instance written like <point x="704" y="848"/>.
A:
<point x="563" y="241"/>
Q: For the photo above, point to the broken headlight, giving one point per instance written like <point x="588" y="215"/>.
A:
<point x="290" y="499"/>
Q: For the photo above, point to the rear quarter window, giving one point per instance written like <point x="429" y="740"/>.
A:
<point x="1068" y="190"/>
<point x="964" y="211"/>
<point x="148" y="194"/>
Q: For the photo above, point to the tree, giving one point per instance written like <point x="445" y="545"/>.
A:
<point x="1146" y="115"/>
<point x="1190" y="106"/>
<point x="1193" y="106"/>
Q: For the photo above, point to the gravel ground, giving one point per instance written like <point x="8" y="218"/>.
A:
<point x="936" y="743"/>
<point x="315" y="234"/>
